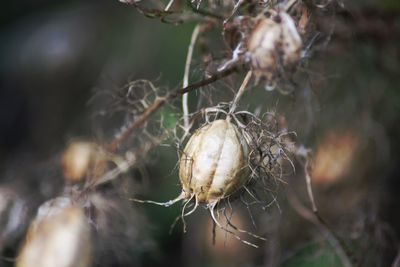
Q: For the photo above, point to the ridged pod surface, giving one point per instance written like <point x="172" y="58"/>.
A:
<point x="214" y="163"/>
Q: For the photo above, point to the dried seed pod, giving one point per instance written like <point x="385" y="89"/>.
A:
<point x="13" y="215"/>
<point x="60" y="238"/>
<point x="334" y="156"/>
<point x="274" y="43"/>
<point x="82" y="158"/>
<point x="214" y="162"/>
<point x="214" y="165"/>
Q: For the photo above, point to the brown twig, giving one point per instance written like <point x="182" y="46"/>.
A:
<point x="160" y="102"/>
<point x="203" y="12"/>
<point x="240" y="92"/>
<point x="314" y="216"/>
<point x="315" y="219"/>
<point x="125" y="165"/>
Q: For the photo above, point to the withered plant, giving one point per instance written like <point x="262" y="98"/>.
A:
<point x="229" y="154"/>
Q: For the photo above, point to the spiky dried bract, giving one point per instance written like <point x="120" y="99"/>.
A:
<point x="273" y="43"/>
<point x="214" y="162"/>
<point x="62" y="238"/>
<point x="120" y="235"/>
<point x="271" y="147"/>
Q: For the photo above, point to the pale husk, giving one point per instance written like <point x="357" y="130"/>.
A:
<point x="61" y="238"/>
<point x="214" y="162"/>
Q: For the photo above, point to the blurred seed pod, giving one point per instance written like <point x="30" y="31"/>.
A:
<point x="13" y="214"/>
<point x="274" y="46"/>
<point x="333" y="157"/>
<point x="59" y="236"/>
<point x="83" y="159"/>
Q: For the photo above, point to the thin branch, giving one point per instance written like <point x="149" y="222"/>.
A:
<point x="164" y="204"/>
<point x="123" y="166"/>
<point x="203" y="12"/>
<point x="235" y="9"/>
<point x="211" y="207"/>
<point x="309" y="186"/>
<point x="149" y="12"/>
<point x="240" y="92"/>
<point x="332" y="239"/>
<point x="160" y="102"/>
<point x="189" y="57"/>
<point x="315" y="218"/>
<point x="169" y="5"/>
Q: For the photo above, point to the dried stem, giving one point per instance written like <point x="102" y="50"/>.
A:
<point x="315" y="218"/>
<point x="160" y="102"/>
<point x="235" y="8"/>
<point x="189" y="57"/>
<point x="322" y="226"/>
<point x="240" y="92"/>
<point x="212" y="207"/>
<point x="309" y="186"/>
<point x="169" y="5"/>
<point x="124" y="166"/>
<point x="165" y="204"/>
<point x="203" y="12"/>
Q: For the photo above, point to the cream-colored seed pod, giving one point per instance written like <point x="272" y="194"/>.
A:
<point x="273" y="42"/>
<point x="81" y="159"/>
<point x="13" y="214"/>
<point x="214" y="163"/>
<point x="77" y="159"/>
<point x="62" y="239"/>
